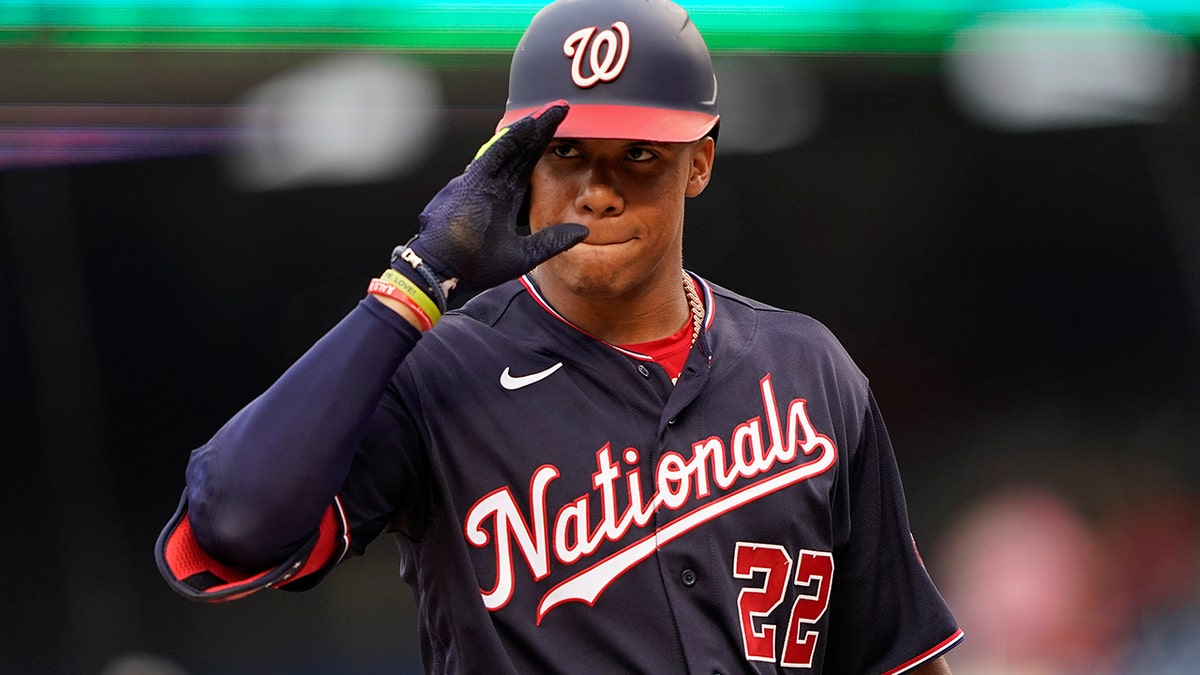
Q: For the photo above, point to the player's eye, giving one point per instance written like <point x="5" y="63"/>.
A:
<point x="640" y="154"/>
<point x="564" y="150"/>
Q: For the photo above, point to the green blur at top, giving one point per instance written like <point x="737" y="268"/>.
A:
<point x="800" y="26"/>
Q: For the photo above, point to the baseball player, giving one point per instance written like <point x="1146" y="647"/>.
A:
<point x="601" y="462"/>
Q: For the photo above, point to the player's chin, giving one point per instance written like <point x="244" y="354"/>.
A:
<point x="597" y="271"/>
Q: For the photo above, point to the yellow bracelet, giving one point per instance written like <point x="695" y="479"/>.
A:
<point x="413" y="291"/>
<point x="381" y="287"/>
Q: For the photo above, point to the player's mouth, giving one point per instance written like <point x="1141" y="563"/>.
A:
<point x="607" y="241"/>
<point x="604" y="244"/>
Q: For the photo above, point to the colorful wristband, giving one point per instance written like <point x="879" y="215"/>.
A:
<point x="386" y="289"/>
<point x="414" y="291"/>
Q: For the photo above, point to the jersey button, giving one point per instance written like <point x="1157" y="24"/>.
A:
<point x="688" y="577"/>
<point x="644" y="371"/>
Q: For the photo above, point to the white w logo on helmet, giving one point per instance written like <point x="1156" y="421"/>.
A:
<point x="607" y="41"/>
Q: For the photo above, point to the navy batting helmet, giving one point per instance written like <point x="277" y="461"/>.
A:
<point x="630" y="69"/>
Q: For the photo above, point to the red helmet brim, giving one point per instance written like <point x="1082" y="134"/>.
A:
<point x="626" y="122"/>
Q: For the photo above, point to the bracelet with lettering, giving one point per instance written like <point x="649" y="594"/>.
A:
<point x="389" y="290"/>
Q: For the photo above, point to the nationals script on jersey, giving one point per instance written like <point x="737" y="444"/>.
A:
<point x="737" y="469"/>
<point x="553" y="494"/>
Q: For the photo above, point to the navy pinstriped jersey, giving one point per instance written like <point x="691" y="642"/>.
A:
<point x="561" y="506"/>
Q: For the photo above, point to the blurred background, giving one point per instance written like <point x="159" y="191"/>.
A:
<point x="994" y="204"/>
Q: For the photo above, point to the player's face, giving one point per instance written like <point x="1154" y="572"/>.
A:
<point x="630" y="195"/>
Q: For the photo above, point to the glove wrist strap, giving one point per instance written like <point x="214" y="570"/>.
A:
<point x="405" y="259"/>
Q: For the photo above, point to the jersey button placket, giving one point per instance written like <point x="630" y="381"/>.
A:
<point x="688" y="577"/>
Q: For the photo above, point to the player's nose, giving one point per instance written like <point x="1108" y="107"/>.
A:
<point x="599" y="192"/>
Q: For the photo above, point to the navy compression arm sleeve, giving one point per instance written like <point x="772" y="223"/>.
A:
<point x="259" y="487"/>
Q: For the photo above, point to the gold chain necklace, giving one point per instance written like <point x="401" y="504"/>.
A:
<point x="695" y="304"/>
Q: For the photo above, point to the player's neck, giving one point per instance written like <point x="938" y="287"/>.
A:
<point x="653" y="310"/>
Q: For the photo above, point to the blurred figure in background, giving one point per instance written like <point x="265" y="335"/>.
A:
<point x="1046" y="590"/>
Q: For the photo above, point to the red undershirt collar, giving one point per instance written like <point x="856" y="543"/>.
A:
<point x="670" y="352"/>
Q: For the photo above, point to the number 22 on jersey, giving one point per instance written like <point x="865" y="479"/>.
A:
<point x="814" y="571"/>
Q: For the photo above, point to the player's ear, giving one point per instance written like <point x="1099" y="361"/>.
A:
<point x="703" y="154"/>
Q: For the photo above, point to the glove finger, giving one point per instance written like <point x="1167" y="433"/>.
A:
<point x="549" y="242"/>
<point x="516" y="149"/>
<point x="548" y="116"/>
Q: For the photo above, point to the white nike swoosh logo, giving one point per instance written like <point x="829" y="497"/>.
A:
<point x="514" y="382"/>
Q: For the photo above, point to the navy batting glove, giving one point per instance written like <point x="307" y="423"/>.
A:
<point x="469" y="229"/>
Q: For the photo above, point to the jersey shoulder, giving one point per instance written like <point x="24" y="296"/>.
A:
<point x="491" y="305"/>
<point x="784" y="318"/>
<point x="490" y="324"/>
<point x="757" y="322"/>
<point x="482" y="315"/>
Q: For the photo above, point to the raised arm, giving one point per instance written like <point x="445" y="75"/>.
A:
<point x="257" y="491"/>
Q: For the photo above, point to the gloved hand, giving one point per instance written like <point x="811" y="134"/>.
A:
<point x="468" y="231"/>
